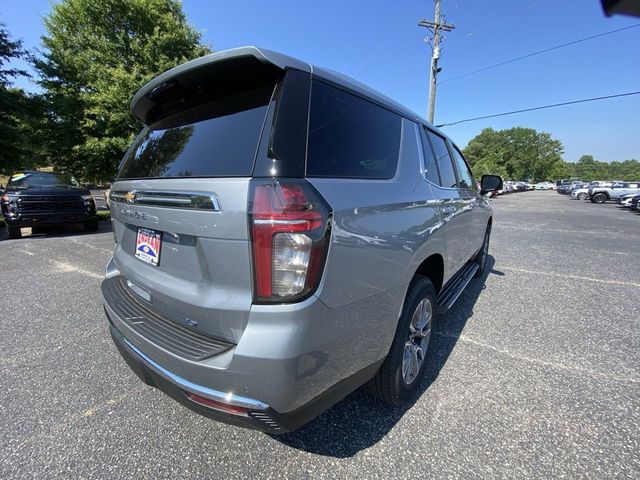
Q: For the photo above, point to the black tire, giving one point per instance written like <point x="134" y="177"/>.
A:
<point x="14" y="232"/>
<point x="481" y="256"/>
<point x="599" y="198"/>
<point x="582" y="196"/>
<point x="389" y="384"/>
<point x="91" y="226"/>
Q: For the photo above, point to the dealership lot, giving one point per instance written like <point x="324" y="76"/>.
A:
<point x="535" y="372"/>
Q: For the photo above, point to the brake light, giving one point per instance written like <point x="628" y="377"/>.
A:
<point x="289" y="232"/>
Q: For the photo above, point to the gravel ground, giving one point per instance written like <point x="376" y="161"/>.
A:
<point x="534" y="373"/>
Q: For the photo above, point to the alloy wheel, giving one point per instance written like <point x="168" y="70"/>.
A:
<point x="415" y="348"/>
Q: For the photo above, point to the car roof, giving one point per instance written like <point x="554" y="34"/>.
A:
<point x="283" y="62"/>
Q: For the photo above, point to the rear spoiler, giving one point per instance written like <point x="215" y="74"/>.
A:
<point x="205" y="77"/>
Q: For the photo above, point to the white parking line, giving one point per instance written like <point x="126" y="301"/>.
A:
<point x="64" y="423"/>
<point x="67" y="267"/>
<point x="575" y="369"/>
<point x="570" y="277"/>
<point x="93" y="247"/>
<point x="545" y="229"/>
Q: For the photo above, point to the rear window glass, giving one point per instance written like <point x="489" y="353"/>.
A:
<point x="350" y="137"/>
<point x="216" y="139"/>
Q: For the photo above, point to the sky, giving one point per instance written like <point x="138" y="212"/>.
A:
<point x="379" y="43"/>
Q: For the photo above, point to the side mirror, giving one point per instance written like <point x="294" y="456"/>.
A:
<point x="489" y="183"/>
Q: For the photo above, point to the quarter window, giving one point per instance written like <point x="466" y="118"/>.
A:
<point x="430" y="167"/>
<point x="466" y="178"/>
<point x="447" y="173"/>
<point x="350" y="137"/>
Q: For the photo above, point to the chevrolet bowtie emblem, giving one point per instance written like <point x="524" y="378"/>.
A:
<point x="130" y="197"/>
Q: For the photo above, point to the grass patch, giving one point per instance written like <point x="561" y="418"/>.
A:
<point x="104" y="215"/>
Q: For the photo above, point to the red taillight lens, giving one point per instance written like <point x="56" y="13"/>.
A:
<point x="216" y="405"/>
<point x="289" y="232"/>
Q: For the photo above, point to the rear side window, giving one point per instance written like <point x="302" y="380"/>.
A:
<point x="350" y="137"/>
<point x="466" y="178"/>
<point x="430" y="167"/>
<point x="447" y="173"/>
<point x="214" y="139"/>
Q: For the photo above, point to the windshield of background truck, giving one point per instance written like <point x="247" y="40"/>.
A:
<point x="42" y="179"/>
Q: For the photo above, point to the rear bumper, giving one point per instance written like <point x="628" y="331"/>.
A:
<point x="259" y="416"/>
<point x="49" y="218"/>
<point x="291" y="363"/>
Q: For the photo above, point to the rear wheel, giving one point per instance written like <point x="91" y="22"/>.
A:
<point x="599" y="198"/>
<point x="401" y="371"/>
<point x="481" y="257"/>
<point x="14" y="232"/>
<point x="582" y="196"/>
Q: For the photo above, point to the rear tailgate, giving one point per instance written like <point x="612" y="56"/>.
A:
<point x="202" y="274"/>
<point x="179" y="204"/>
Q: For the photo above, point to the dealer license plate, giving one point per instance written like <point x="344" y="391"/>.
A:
<point x="148" y="244"/>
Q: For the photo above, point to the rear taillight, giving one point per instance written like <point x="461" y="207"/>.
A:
<point x="290" y="228"/>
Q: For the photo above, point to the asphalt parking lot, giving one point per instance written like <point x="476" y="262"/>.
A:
<point x="535" y="372"/>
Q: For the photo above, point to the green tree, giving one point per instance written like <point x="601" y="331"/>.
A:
<point x="98" y="53"/>
<point x="517" y="153"/>
<point x="19" y="111"/>
<point x="588" y="168"/>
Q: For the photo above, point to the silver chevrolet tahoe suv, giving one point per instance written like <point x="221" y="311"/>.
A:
<point x="284" y="235"/>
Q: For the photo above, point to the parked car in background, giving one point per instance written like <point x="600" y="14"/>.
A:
<point x="627" y="200"/>
<point x="581" y="193"/>
<point x="40" y="199"/>
<point x="259" y="235"/>
<point x="602" y="194"/>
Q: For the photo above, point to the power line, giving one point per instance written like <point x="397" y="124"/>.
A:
<point x="540" y="108"/>
<point x="496" y="22"/>
<point x="379" y="55"/>
<point x="539" y="52"/>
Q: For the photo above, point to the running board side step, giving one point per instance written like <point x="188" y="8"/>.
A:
<point x="455" y="287"/>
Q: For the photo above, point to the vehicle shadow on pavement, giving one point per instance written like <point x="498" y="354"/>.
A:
<point x="359" y="421"/>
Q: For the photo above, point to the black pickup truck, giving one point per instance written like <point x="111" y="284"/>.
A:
<point x="39" y="199"/>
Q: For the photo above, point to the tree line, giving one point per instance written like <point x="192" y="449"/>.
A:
<point x="526" y="154"/>
<point x="97" y="53"/>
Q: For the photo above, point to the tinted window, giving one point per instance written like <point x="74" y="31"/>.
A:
<point x="447" y="174"/>
<point x="217" y="139"/>
<point x="466" y="179"/>
<point x="350" y="137"/>
<point x="42" y="179"/>
<point x="430" y="168"/>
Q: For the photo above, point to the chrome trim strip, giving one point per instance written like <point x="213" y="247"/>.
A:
<point x="228" y="398"/>
<point x="172" y="199"/>
<point x="279" y="222"/>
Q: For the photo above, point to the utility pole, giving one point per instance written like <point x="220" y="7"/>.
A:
<point x="434" y="27"/>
